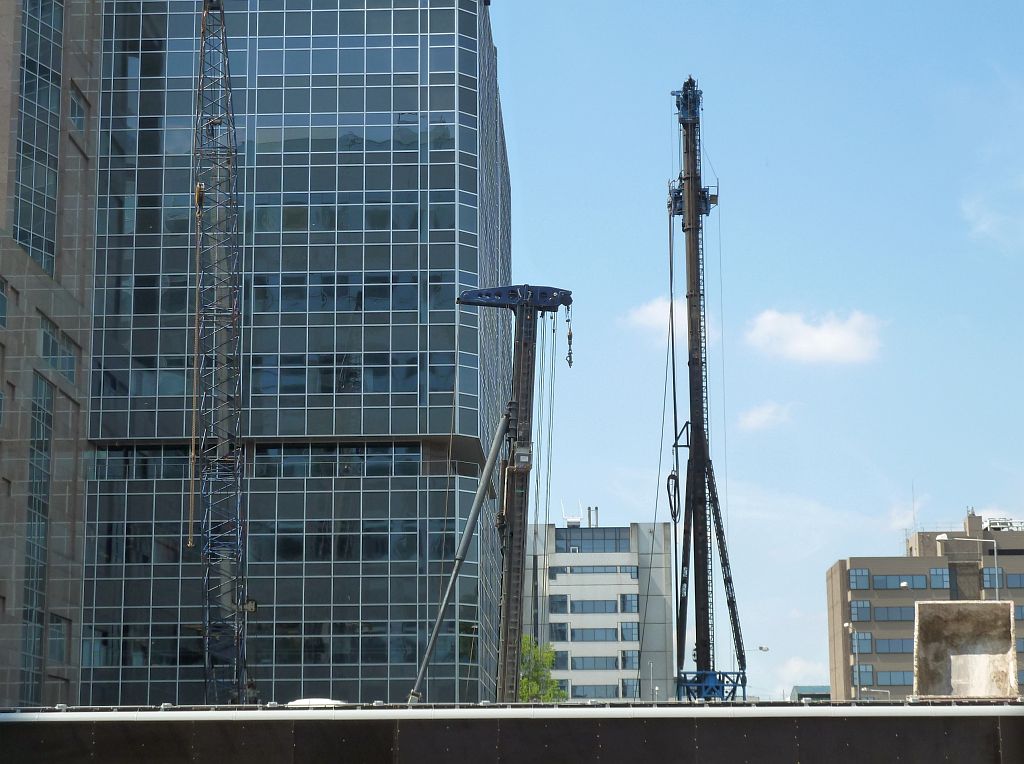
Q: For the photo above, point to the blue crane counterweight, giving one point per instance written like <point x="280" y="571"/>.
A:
<point x="702" y="515"/>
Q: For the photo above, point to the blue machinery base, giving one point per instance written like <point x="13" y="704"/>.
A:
<point x="711" y="685"/>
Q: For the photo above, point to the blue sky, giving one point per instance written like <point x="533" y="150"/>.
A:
<point x="864" y="271"/>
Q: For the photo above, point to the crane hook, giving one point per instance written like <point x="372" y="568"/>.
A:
<point x="672" y="486"/>
<point x="568" y="323"/>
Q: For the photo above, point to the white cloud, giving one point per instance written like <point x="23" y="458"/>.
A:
<point x="994" y="218"/>
<point x="765" y="416"/>
<point x="828" y="339"/>
<point x="796" y="670"/>
<point x="652" y="316"/>
<point x="906" y="513"/>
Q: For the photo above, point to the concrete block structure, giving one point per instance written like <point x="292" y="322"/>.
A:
<point x="871" y="600"/>
<point x="965" y="649"/>
<point x="602" y="598"/>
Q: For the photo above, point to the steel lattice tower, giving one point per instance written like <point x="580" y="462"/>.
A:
<point x="701" y="511"/>
<point x="217" y="452"/>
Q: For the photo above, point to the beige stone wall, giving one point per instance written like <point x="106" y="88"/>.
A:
<point x="66" y="300"/>
<point x="924" y="553"/>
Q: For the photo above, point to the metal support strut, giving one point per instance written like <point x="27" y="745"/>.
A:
<point x="463" y="550"/>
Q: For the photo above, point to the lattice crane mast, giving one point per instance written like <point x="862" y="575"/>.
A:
<point x="515" y="432"/>
<point x="702" y="514"/>
<point x="217" y="452"/>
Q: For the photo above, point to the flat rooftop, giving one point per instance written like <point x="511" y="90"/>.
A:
<point x="979" y="732"/>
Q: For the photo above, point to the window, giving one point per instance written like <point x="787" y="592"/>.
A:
<point x="589" y="540"/>
<point x="561" y="660"/>
<point x="594" y="635"/>
<point x="630" y="569"/>
<point x="595" y="663"/>
<point x="860" y="642"/>
<point x="58" y="349"/>
<point x="1018" y="612"/>
<point x="555" y="571"/>
<point x="901" y="613"/>
<point x="78" y="111"/>
<point x="895" y="678"/>
<point x="558" y="603"/>
<point x="894" y="645"/>
<point x="59" y="636"/>
<point x="630" y="631"/>
<point x="939" y="578"/>
<point x="600" y="691"/>
<point x="859" y="578"/>
<point x="866" y="674"/>
<point x="3" y="302"/>
<point x="593" y="606"/>
<point x="1014" y="580"/>
<point x="631" y="689"/>
<point x="558" y="632"/>
<point x="629" y="603"/>
<point x="896" y="582"/>
<point x="630" y="659"/>
<point x="991" y="578"/>
<point x="860" y="610"/>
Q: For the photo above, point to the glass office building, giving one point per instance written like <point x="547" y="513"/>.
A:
<point x="374" y="186"/>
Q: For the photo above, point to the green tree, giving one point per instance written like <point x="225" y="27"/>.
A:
<point x="535" y="682"/>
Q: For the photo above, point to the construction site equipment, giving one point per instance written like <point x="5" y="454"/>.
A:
<point x="965" y="649"/>
<point x="702" y="514"/>
<point x="515" y="429"/>
<point x="217" y="452"/>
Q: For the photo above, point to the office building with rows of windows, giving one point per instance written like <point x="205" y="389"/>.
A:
<point x="602" y="599"/>
<point x="374" y="185"/>
<point x="48" y="154"/>
<point x="871" y="600"/>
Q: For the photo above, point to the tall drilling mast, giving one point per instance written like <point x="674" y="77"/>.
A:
<point x="702" y="515"/>
<point x="217" y="453"/>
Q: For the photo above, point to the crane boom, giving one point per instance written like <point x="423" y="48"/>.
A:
<point x="217" y="453"/>
<point x="702" y="516"/>
<point x="527" y="302"/>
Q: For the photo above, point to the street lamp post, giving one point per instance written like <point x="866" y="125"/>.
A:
<point x="995" y="552"/>
<point x="855" y="684"/>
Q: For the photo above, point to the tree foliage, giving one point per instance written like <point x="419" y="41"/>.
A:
<point x="535" y="682"/>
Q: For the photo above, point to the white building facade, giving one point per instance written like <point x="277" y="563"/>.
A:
<point x="602" y="598"/>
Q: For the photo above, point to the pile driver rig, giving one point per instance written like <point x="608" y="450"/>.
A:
<point x="701" y="513"/>
<point x="217" y="460"/>
<point x="515" y="433"/>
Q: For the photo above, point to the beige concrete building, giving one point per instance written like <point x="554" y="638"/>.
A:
<point x="871" y="600"/>
<point x="602" y="598"/>
<point x="50" y="55"/>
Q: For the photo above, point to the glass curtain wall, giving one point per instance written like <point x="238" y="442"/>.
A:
<point x="364" y="128"/>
